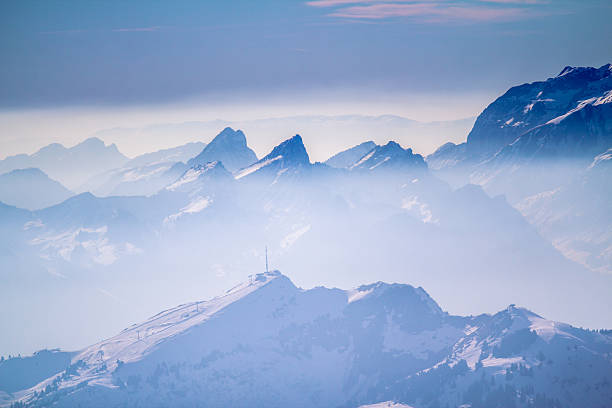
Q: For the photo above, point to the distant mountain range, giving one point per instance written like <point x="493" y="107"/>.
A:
<point x="374" y="210"/>
<point x="145" y="174"/>
<point x="71" y="166"/>
<point x="324" y="133"/>
<point x="210" y="224"/>
<point x="266" y="342"/>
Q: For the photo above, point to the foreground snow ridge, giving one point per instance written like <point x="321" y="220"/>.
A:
<point x="135" y="342"/>
<point x="266" y="342"/>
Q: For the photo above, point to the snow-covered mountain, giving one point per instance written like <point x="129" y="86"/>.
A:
<point x="267" y="342"/>
<point x="230" y="148"/>
<point x="568" y="113"/>
<point x="347" y="158"/>
<point x="288" y="157"/>
<point x="70" y="166"/>
<point x="390" y="156"/>
<point x="562" y="122"/>
<point x="337" y="132"/>
<point x="535" y="145"/>
<point x="208" y="225"/>
<point x="31" y="189"/>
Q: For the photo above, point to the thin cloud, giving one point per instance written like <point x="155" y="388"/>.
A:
<point x="435" y="11"/>
<point x="432" y="12"/>
<point x="385" y="10"/>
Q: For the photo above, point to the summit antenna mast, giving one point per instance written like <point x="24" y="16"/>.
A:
<point x="266" y="259"/>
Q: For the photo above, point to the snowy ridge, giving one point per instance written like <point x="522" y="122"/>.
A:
<point x="595" y="101"/>
<point x="352" y="348"/>
<point x="192" y="175"/>
<point x="391" y="155"/>
<point x="253" y="168"/>
<point x="135" y="342"/>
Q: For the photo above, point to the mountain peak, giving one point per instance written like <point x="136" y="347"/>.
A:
<point x="289" y="154"/>
<point x="292" y="151"/>
<point x="231" y="137"/>
<point x="596" y="73"/>
<point x="390" y="155"/>
<point x="92" y="141"/>
<point x="229" y="147"/>
<point x="406" y="295"/>
<point x="566" y="70"/>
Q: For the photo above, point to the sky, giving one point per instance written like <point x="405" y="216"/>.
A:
<point x="73" y="68"/>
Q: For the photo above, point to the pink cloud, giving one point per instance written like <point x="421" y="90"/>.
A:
<point x="429" y="11"/>
<point x="434" y="11"/>
<point x="385" y="10"/>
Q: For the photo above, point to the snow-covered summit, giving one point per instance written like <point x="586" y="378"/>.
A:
<point x="292" y="150"/>
<point x="525" y="107"/>
<point x="137" y="341"/>
<point x="290" y="155"/>
<point x="390" y="156"/>
<point x="587" y="72"/>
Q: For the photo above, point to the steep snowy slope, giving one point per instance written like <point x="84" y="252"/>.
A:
<point x="534" y="136"/>
<point x="268" y="343"/>
<point x="548" y="103"/>
<point x="348" y="157"/>
<point x="288" y="157"/>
